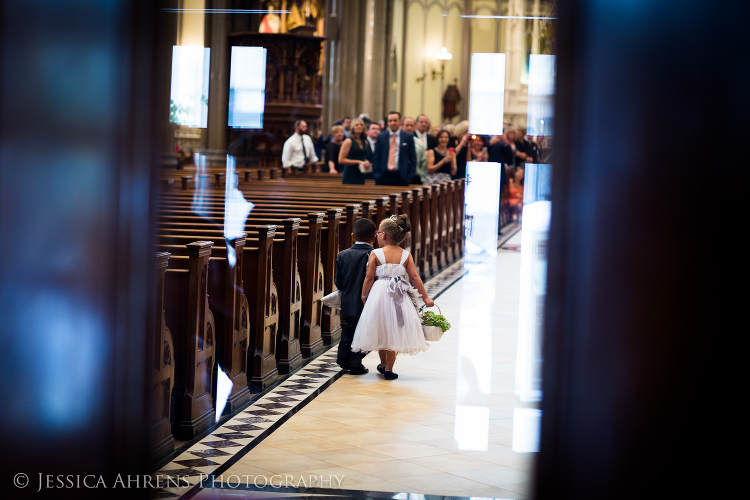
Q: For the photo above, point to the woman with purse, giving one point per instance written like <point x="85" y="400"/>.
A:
<point x="354" y="155"/>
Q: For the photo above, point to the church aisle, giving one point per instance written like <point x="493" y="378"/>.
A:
<point x="401" y="436"/>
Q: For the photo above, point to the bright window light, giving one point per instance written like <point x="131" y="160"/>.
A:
<point x="487" y="94"/>
<point x="247" y="87"/>
<point x="482" y="206"/>
<point x="189" y="96"/>
<point x="539" y="120"/>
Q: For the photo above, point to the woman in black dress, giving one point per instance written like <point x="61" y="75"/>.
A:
<point x="441" y="160"/>
<point x="332" y="150"/>
<point x="354" y="154"/>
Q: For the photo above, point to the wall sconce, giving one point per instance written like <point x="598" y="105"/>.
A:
<point x="441" y="56"/>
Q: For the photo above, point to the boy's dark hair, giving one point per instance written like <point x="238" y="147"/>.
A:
<point x="364" y="230"/>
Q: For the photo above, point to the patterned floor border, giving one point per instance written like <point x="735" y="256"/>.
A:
<point x="218" y="451"/>
<point x="214" y="454"/>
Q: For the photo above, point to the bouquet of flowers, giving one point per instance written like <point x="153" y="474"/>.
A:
<point x="434" y="325"/>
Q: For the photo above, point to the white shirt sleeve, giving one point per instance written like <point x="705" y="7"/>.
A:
<point x="286" y="154"/>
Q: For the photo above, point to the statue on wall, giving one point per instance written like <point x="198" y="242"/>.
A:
<point x="451" y="98"/>
<point x="271" y="22"/>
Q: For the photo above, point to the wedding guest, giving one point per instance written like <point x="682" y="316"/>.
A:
<point x="527" y="146"/>
<point x="346" y="122"/>
<point x="372" y="135"/>
<point x="452" y="131"/>
<point x="373" y="129"/>
<point x="332" y="150"/>
<point x="515" y="188"/>
<point x="395" y="155"/>
<point x="476" y="151"/>
<point x="354" y="153"/>
<point x="503" y="149"/>
<point x="298" y="149"/>
<point x="319" y="139"/>
<point x="462" y="148"/>
<point x="408" y="126"/>
<point x="441" y="160"/>
<point x="422" y="126"/>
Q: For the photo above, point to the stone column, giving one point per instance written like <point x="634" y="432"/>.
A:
<point x="218" y="85"/>
<point x="466" y="61"/>
<point x="374" y="59"/>
<point x="515" y="102"/>
<point x="535" y="29"/>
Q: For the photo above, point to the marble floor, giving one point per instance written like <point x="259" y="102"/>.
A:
<point x="445" y="427"/>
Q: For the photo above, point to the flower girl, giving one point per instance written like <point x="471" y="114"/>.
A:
<point x="389" y="322"/>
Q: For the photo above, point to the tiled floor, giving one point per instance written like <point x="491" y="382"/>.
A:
<point x="445" y="427"/>
<point x="212" y="455"/>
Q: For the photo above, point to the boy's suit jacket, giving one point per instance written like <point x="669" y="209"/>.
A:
<point x="351" y="268"/>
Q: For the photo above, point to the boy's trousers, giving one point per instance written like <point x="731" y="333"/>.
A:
<point x="346" y="358"/>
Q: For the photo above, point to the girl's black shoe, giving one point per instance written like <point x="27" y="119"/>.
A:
<point x="381" y="369"/>
<point x="390" y="375"/>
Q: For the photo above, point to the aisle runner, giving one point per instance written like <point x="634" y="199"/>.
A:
<point x="225" y="445"/>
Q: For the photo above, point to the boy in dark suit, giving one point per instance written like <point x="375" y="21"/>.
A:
<point x="351" y="268"/>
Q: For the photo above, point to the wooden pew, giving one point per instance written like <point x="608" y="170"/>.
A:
<point x="331" y="318"/>
<point x="439" y="250"/>
<point x="230" y="309"/>
<point x="193" y="330"/>
<point x="282" y="258"/>
<point x="162" y="371"/>
<point x="310" y="269"/>
<point x="264" y="309"/>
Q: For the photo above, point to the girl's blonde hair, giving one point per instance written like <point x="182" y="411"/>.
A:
<point x="396" y="227"/>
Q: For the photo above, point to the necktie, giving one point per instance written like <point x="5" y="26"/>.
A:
<point x="424" y="139"/>
<point x="304" y="151"/>
<point x="392" y="153"/>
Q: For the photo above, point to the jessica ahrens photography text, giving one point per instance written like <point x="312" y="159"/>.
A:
<point x="93" y="481"/>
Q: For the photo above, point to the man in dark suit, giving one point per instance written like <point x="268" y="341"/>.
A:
<point x="395" y="159"/>
<point x="351" y="269"/>
<point x="423" y="126"/>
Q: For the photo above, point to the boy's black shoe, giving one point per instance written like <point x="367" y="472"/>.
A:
<point x="391" y="376"/>
<point x="381" y="369"/>
<point x="359" y="370"/>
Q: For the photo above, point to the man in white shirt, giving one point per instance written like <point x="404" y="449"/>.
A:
<point x="422" y="126"/>
<point x="298" y="149"/>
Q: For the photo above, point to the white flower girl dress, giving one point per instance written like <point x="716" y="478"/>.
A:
<point x="389" y="319"/>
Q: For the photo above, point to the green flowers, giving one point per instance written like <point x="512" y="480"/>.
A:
<point x="432" y="319"/>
